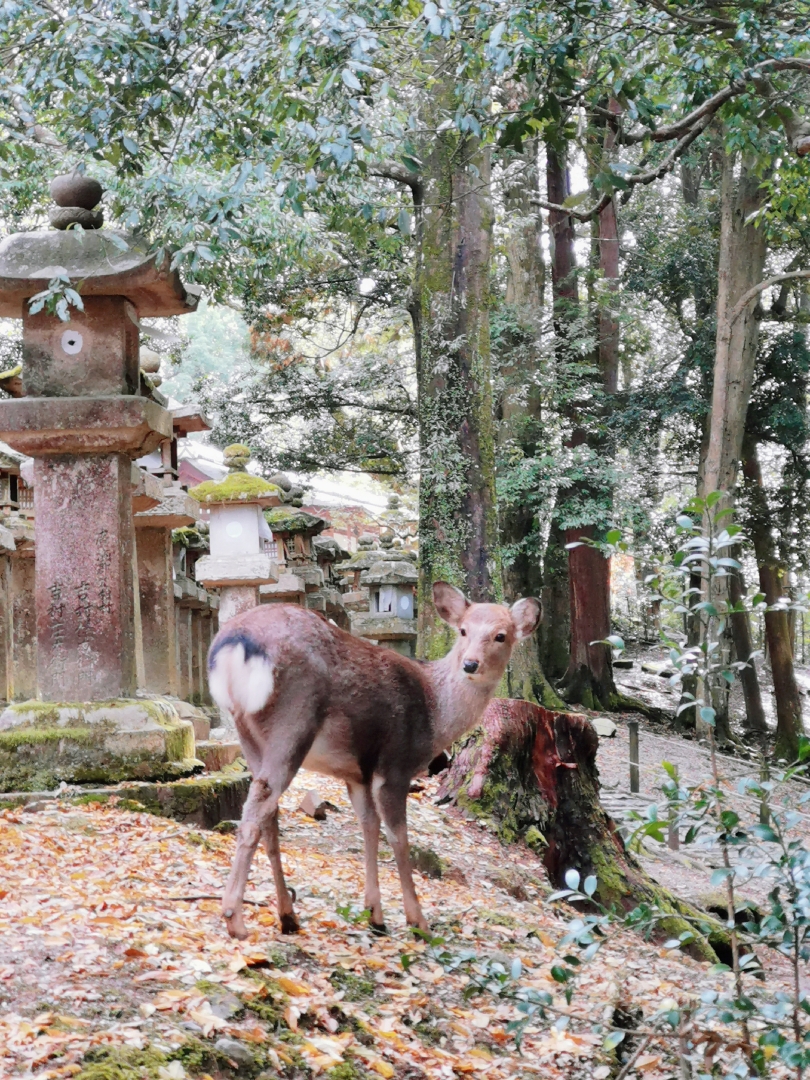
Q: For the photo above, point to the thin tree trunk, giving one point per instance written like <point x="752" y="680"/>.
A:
<point x="457" y="520"/>
<point x="743" y="249"/>
<point x="589" y="676"/>
<point x="789" y="722"/>
<point x="755" y="722"/>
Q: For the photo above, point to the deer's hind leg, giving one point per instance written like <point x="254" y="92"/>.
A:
<point x="280" y="760"/>
<point x="363" y="803"/>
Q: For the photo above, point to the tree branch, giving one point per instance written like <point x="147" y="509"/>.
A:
<point x="754" y="292"/>
<point x="392" y="170"/>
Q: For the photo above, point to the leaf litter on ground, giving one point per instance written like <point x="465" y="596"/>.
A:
<point x="97" y="951"/>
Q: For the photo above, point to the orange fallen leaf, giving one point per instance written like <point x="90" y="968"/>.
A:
<point x="292" y="986"/>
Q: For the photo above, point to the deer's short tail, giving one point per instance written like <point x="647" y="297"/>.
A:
<point x="240" y="674"/>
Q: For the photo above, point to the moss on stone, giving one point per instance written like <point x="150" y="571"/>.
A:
<point x="126" y="1063"/>
<point x="81" y="743"/>
<point x="427" y="862"/>
<point x="285" y="519"/>
<point x="15" y="737"/>
<point x="236" y="487"/>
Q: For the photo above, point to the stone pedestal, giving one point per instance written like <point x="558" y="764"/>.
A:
<point x="157" y="610"/>
<point x="85" y="615"/>
<point x="23" y="681"/>
<point x="234" y="599"/>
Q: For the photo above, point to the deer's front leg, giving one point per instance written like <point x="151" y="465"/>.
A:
<point x="391" y="800"/>
<point x="286" y="913"/>
<point x="369" y="819"/>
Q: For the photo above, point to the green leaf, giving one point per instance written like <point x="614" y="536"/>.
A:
<point x="350" y="79"/>
<point x="613" y="1040"/>
<point x="589" y="886"/>
<point x="572" y="879"/>
<point x="707" y="715"/>
<point x="404" y="222"/>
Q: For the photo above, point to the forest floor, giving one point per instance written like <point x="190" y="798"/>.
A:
<point x="108" y="973"/>
<point x="115" y="965"/>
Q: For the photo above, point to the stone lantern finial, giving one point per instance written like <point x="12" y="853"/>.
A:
<point x="76" y="196"/>
<point x="237" y="455"/>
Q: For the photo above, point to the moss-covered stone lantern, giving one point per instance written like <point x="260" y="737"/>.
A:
<point x="240" y="538"/>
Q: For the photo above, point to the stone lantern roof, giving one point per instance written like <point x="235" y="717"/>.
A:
<point x="388" y="572"/>
<point x="107" y="263"/>
<point x="239" y="486"/>
<point x="284" y="519"/>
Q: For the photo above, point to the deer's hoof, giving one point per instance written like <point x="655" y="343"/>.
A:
<point x="289" y="924"/>
<point x="235" y="925"/>
<point x="378" y="928"/>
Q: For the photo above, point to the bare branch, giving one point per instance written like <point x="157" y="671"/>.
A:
<point x="392" y="170"/>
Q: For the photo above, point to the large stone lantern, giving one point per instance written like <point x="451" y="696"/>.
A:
<point x="239" y="536"/>
<point x="83" y="418"/>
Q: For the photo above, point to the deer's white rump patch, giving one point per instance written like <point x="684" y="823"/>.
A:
<point x="238" y="684"/>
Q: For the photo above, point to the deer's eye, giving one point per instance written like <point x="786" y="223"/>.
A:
<point x="463" y="632"/>
<point x="500" y="637"/>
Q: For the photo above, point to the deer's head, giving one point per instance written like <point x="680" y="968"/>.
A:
<point x="487" y="633"/>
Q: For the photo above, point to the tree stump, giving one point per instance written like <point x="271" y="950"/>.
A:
<point x="531" y="774"/>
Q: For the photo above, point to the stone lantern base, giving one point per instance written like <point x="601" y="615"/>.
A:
<point x="44" y="743"/>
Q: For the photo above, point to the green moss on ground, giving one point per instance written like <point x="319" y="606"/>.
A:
<point x="236" y="487"/>
<point x="354" y="986"/>
<point x="427" y="862"/>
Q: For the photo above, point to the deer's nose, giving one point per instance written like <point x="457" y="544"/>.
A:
<point x="471" y="666"/>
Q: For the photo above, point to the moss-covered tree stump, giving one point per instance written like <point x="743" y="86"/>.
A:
<point x="531" y="774"/>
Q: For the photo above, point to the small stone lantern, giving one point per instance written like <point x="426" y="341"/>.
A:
<point x="239" y="536"/>
<point x="293" y="530"/>
<point x="391" y="617"/>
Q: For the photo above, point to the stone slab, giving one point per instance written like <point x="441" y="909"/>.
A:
<point x="289" y="589"/>
<point x="134" y="426"/>
<point x="257" y="569"/>
<point x="147" y="490"/>
<point x="106" y="261"/>
<point x="203" y="800"/>
<point x="175" y="510"/>
<point x="604" y="727"/>
<point x="216" y="755"/>
<point x="43" y="744"/>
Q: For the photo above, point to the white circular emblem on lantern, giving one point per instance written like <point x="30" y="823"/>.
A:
<point x="72" y="342"/>
<point x="233" y="529"/>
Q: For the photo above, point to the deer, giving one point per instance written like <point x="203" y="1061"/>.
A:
<point x="305" y="694"/>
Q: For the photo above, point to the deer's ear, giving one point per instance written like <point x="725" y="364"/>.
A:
<point x="450" y="602"/>
<point x="526" y="616"/>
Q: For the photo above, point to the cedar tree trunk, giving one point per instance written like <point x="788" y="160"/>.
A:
<point x="520" y="419"/>
<point x="457" y="514"/>
<point x="531" y="774"/>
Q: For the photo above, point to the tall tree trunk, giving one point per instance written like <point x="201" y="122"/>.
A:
<point x="457" y="520"/>
<point x="520" y="427"/>
<point x="743" y="249"/>
<point x="589" y="676"/>
<point x="789" y="723"/>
